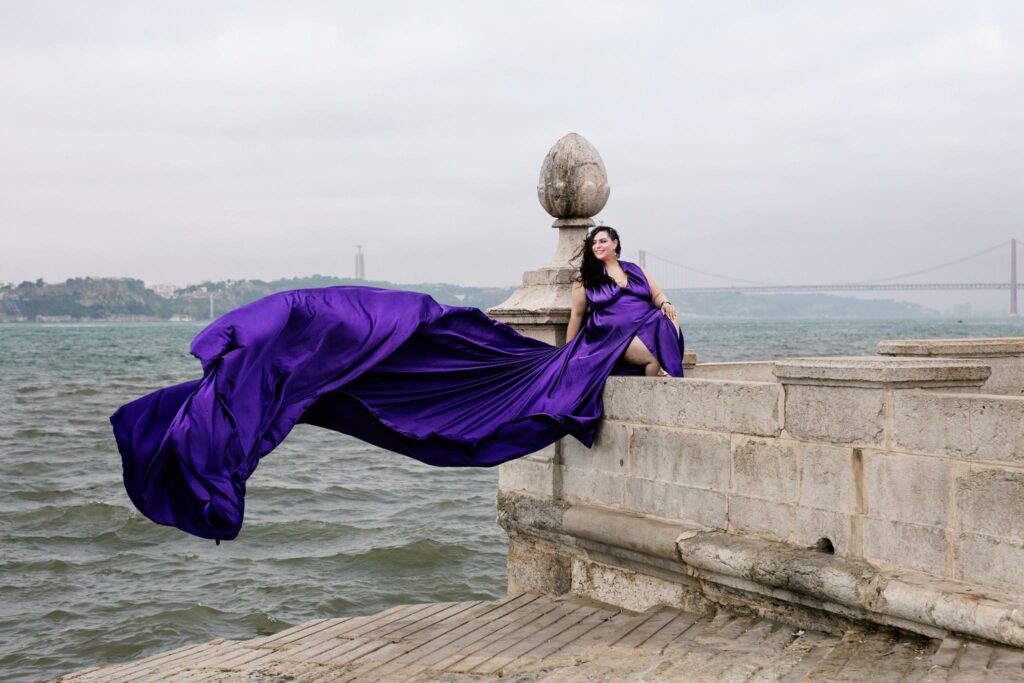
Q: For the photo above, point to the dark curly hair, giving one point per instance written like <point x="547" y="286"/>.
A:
<point x="592" y="273"/>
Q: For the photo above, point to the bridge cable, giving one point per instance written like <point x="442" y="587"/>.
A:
<point x="705" y="272"/>
<point x="859" y="282"/>
<point x="928" y="270"/>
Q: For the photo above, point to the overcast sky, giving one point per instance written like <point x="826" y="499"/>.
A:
<point x="775" y="141"/>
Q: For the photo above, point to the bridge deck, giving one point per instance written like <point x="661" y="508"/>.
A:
<point x="526" y="637"/>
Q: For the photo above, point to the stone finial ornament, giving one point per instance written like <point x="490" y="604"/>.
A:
<point x="573" y="187"/>
<point x="573" y="183"/>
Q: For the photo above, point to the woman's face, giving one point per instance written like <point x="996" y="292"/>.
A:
<point x="604" y="246"/>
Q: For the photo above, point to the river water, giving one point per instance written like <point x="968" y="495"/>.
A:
<point x="334" y="527"/>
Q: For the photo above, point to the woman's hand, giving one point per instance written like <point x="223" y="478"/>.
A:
<point x="669" y="311"/>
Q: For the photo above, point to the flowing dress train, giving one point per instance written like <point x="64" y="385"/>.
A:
<point x="443" y="384"/>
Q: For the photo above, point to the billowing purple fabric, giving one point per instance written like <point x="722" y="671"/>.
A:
<point x="445" y="385"/>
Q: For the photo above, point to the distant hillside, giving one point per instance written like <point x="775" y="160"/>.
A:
<point x="195" y="299"/>
<point x="128" y="299"/>
<point x="83" y="299"/>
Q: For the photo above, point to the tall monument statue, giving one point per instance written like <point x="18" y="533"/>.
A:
<point x="573" y="188"/>
<point x="360" y="265"/>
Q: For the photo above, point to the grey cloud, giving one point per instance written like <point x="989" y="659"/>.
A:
<point x="773" y="141"/>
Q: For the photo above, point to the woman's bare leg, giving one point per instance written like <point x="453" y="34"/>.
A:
<point x="637" y="353"/>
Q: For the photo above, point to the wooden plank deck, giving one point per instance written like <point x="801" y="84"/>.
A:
<point x="526" y="637"/>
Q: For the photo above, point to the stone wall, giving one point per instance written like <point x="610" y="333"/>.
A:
<point x="1004" y="355"/>
<point x="865" y="475"/>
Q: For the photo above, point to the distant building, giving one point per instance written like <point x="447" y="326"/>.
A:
<point x="166" y="291"/>
<point x="360" y="265"/>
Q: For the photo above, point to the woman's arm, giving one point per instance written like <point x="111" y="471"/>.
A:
<point x="659" y="299"/>
<point x="577" y="309"/>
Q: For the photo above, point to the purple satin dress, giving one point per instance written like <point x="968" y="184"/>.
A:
<point x="443" y="384"/>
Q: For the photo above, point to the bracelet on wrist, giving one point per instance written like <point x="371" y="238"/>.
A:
<point x="666" y="301"/>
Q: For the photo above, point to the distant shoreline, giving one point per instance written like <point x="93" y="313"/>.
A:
<point x="79" y="300"/>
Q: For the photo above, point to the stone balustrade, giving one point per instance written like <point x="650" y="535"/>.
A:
<point x="1004" y="355"/>
<point x="885" y="489"/>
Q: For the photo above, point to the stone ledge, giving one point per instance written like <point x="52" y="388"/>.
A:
<point x="632" y="532"/>
<point x="912" y="598"/>
<point x="953" y="348"/>
<point x="526" y="316"/>
<point x="853" y="589"/>
<point x="708" y="404"/>
<point x="549" y="276"/>
<point x="883" y="371"/>
<point x="746" y="371"/>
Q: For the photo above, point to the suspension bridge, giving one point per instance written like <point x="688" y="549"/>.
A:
<point x="681" y="277"/>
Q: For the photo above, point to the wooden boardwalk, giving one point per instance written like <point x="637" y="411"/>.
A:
<point x="527" y="637"/>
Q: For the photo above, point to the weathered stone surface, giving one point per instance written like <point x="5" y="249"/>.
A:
<point x="527" y="475"/>
<point x="760" y="517"/>
<point x="540" y="312"/>
<point x="880" y="371"/>
<point x="608" y="454"/>
<point x="516" y="510"/>
<point x="907" y="488"/>
<point x="670" y="501"/>
<point x="918" y="601"/>
<point x="633" y="532"/>
<point x="756" y="371"/>
<point x="976" y="427"/>
<point x="717" y="405"/>
<point x="836" y="414"/>
<point x="813" y="525"/>
<point x="905" y="545"/>
<point x="697" y="459"/>
<point x="593" y="486"/>
<point x="573" y="182"/>
<point x="779" y="565"/>
<point x="1007" y="376"/>
<point x="952" y="605"/>
<point x="914" y="600"/>
<point x="614" y="586"/>
<point x="991" y="562"/>
<point x="991" y="501"/>
<point x="535" y="568"/>
<point x="953" y="348"/>
<point x="765" y="468"/>
<point x="826" y="478"/>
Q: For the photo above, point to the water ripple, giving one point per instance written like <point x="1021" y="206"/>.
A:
<point x="334" y="527"/>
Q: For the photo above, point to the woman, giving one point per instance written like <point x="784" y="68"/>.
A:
<point x="622" y="298"/>
<point x="443" y="384"/>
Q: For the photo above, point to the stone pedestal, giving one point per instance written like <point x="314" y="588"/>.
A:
<point x="573" y="187"/>
<point x="540" y="308"/>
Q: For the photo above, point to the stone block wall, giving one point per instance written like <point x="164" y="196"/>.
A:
<point x="895" y="461"/>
